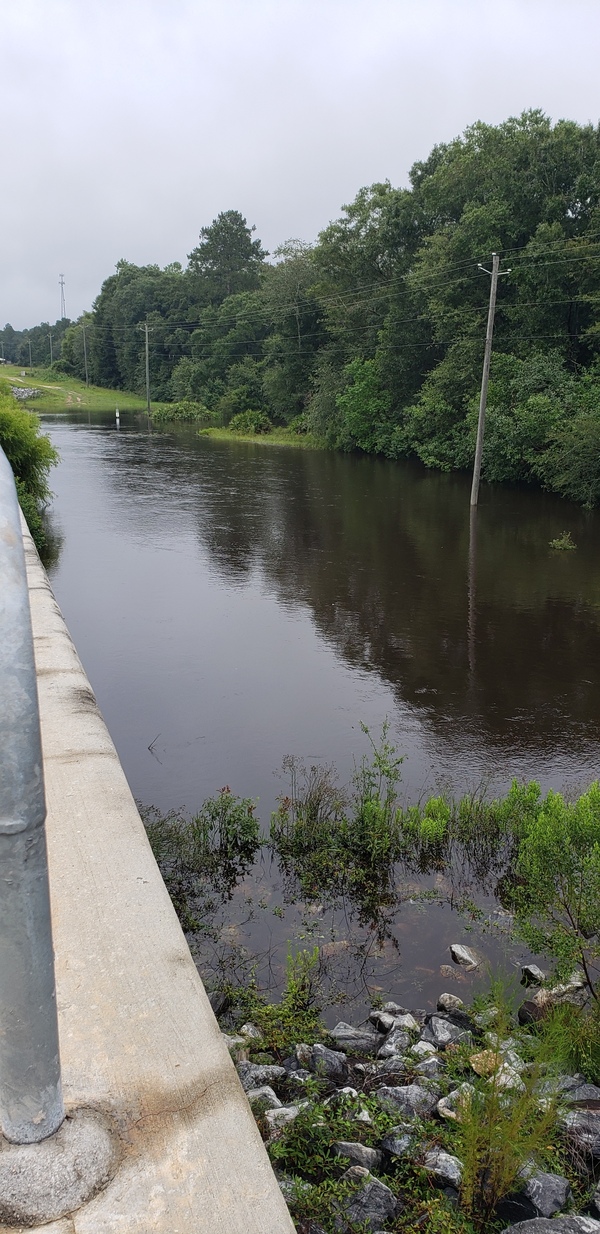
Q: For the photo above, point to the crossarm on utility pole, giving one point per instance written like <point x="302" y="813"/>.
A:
<point x="31" y="1105"/>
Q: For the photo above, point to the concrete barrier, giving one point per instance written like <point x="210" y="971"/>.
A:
<point x="140" y="1045"/>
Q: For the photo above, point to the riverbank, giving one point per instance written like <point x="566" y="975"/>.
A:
<point x="456" y="1121"/>
<point x="54" y="392"/>
<point x="276" y="437"/>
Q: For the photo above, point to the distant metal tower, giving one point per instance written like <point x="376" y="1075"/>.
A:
<point x="63" y="307"/>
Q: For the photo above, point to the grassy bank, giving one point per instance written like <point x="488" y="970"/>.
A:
<point x="277" y="437"/>
<point x="60" y="392"/>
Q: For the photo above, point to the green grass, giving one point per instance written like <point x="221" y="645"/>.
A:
<point x="277" y="437"/>
<point x="60" y="392"/>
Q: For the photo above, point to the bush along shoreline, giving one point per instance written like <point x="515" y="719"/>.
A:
<point x="454" y="1121"/>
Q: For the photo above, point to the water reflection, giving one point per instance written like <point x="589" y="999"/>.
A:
<point x="478" y="626"/>
<point x="235" y="603"/>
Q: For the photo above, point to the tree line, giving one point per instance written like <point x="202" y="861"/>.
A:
<point x="45" y="341"/>
<point x="372" y="338"/>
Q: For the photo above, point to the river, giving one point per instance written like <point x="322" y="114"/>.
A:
<point x="235" y="603"/>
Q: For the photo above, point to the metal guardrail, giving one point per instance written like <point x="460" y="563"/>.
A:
<point x="31" y="1104"/>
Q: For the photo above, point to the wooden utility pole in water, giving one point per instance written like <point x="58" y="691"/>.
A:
<point x="85" y="358"/>
<point x="486" y="373"/>
<point x="147" y="369"/>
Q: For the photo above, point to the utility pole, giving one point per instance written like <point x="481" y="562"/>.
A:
<point x="85" y="358"/>
<point x="495" y="273"/>
<point x="50" y="337"/>
<point x="29" y="341"/>
<point x="63" y="307"/>
<point x="147" y="369"/>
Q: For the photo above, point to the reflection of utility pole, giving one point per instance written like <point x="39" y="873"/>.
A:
<point x="147" y="369"/>
<point x="486" y="373"/>
<point x="63" y="308"/>
<point x="85" y="358"/>
<point x="50" y="337"/>
<point x="472" y="592"/>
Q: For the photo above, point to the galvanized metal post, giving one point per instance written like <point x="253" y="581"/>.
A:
<point x="31" y="1105"/>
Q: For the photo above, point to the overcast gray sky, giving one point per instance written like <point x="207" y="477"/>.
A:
<point x="129" y="124"/>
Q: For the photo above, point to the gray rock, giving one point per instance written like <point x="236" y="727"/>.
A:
<point x="444" y="1167"/>
<point x="463" y="955"/>
<point x="560" y="1085"/>
<point x="391" y="1066"/>
<point x="449" y="1107"/>
<point x="548" y="1192"/>
<point x="395" y="1009"/>
<point x="358" y="1154"/>
<point x="396" y="1042"/>
<point x="383" y="1021"/>
<point x="342" y="1095"/>
<point x="449" y="1002"/>
<point x="542" y="1195"/>
<point x="266" y="1096"/>
<point x="251" y="1031"/>
<point x="595" y="1202"/>
<point x="276" y="1120"/>
<point x="331" y="1064"/>
<point x="484" y="1018"/>
<point x="399" y="1141"/>
<point x="303" y="1053"/>
<point x="291" y="1187"/>
<point x="532" y="975"/>
<point x="370" y="1206"/>
<point x="256" y="1075"/>
<point x="583" y="1130"/>
<point x="409" y="1099"/>
<point x="583" y="1092"/>
<point x="555" y="1225"/>
<point x="429" y="1067"/>
<point x="356" y="1040"/>
<point x="442" y="1032"/>
<point x="407" y="1022"/>
<point x="296" y="1080"/>
<point x="423" y="1049"/>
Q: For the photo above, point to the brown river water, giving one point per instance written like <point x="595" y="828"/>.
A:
<point x="235" y="603"/>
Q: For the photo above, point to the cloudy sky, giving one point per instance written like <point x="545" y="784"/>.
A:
<point x="129" y="124"/>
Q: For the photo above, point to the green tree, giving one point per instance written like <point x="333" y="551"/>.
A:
<point x="227" y="260"/>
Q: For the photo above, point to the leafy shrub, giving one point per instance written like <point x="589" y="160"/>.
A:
<point x="555" y="890"/>
<point x="185" y="411"/>
<point x="297" y="1017"/>
<point x="31" y="455"/>
<point x="219" y="843"/>
<point x="250" y="422"/>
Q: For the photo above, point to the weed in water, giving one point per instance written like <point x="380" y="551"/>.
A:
<point x="563" y="542"/>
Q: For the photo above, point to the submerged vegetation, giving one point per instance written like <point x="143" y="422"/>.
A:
<point x="374" y="335"/>
<point x="538" y="855"/>
<point x="496" y="1100"/>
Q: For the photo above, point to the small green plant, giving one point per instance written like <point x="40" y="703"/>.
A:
<point x="219" y="843"/>
<point x="297" y="1017"/>
<point x="499" y="1131"/>
<point x="250" y="422"/>
<point x="563" y="542"/>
